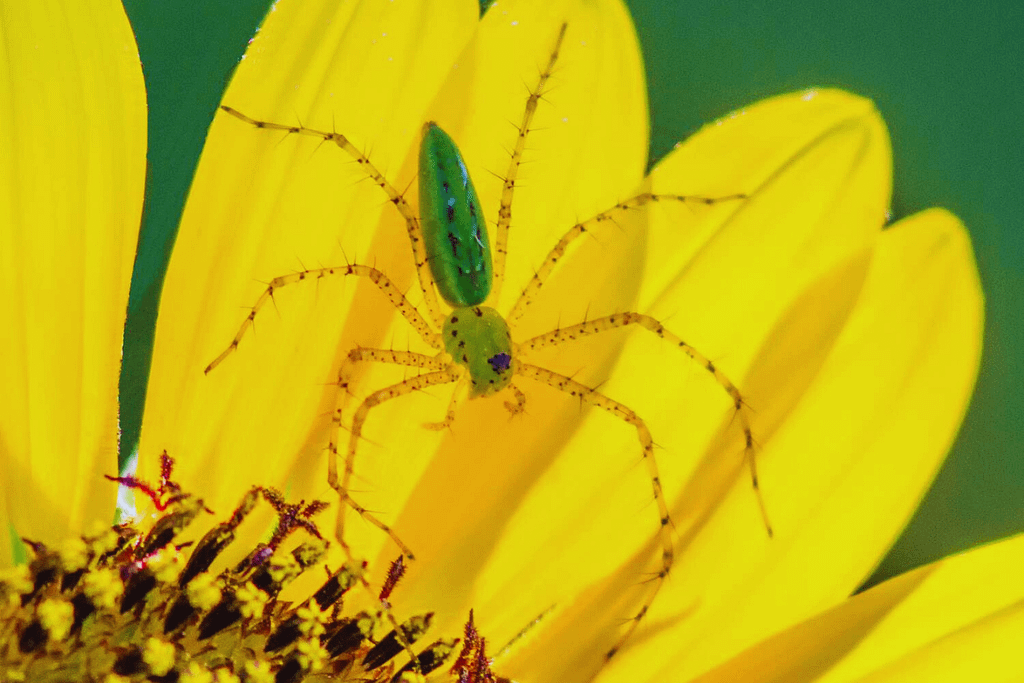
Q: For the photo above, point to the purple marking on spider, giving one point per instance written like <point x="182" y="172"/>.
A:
<point x="500" y="362"/>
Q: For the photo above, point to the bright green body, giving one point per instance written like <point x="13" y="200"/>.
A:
<point x="477" y="338"/>
<point x="454" y="230"/>
<point x="455" y="237"/>
<point x="450" y="246"/>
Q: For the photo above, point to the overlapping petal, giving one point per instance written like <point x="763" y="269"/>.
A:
<point x="959" y="618"/>
<point x="852" y="470"/>
<point x="781" y="290"/>
<point x="809" y="304"/>
<point x="264" y="205"/>
<point x="856" y="347"/>
<point x="73" y="129"/>
<point x="586" y="151"/>
<point x="270" y="400"/>
<point x="689" y="414"/>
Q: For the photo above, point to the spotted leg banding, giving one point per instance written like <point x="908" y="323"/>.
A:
<point x="449" y="415"/>
<point x="446" y="376"/>
<point x="412" y="222"/>
<point x="557" y="252"/>
<point x="518" y="406"/>
<point x="378" y="278"/>
<point x="627" y="415"/>
<point x="342" y="485"/>
<point x="509" y="181"/>
<point x="650" y="324"/>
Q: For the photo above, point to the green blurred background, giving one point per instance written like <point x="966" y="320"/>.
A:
<point x="946" y="77"/>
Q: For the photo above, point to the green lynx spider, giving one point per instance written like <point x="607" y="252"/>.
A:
<point x="453" y="256"/>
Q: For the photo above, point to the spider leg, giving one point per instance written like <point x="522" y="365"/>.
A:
<point x="438" y="376"/>
<point x="519" y="405"/>
<point x="509" y="180"/>
<point x="556" y="254"/>
<point x="384" y="610"/>
<point x="627" y="415"/>
<point x="650" y="324"/>
<point x="378" y="278"/>
<point x="412" y="221"/>
<point x="449" y="415"/>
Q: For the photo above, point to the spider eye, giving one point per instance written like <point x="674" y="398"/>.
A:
<point x="500" y="362"/>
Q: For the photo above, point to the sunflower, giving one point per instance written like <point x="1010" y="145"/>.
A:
<point x="855" y="345"/>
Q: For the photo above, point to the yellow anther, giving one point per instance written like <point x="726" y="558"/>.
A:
<point x="312" y="655"/>
<point x="225" y="675"/>
<point x="17" y="579"/>
<point x="251" y="601"/>
<point x="102" y="539"/>
<point x="283" y="567"/>
<point x="159" y="656"/>
<point x="56" y="616"/>
<point x="312" y="619"/>
<point x="74" y="554"/>
<point x="258" y="671"/>
<point x="103" y="587"/>
<point x="196" y="673"/>
<point x="203" y="591"/>
<point x="167" y="564"/>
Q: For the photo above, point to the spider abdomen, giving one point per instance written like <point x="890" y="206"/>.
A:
<point x="454" y="231"/>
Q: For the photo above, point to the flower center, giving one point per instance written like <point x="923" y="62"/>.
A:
<point x="128" y="603"/>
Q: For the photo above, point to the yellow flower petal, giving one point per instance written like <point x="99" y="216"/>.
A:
<point x="956" y="619"/>
<point x="74" y="138"/>
<point x="587" y="144"/>
<point x="263" y="204"/>
<point x="586" y="153"/>
<point x="852" y="457"/>
<point x="719" y="555"/>
<point x="782" y="270"/>
<point x="817" y="166"/>
<point x="592" y="509"/>
<point x="256" y="434"/>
